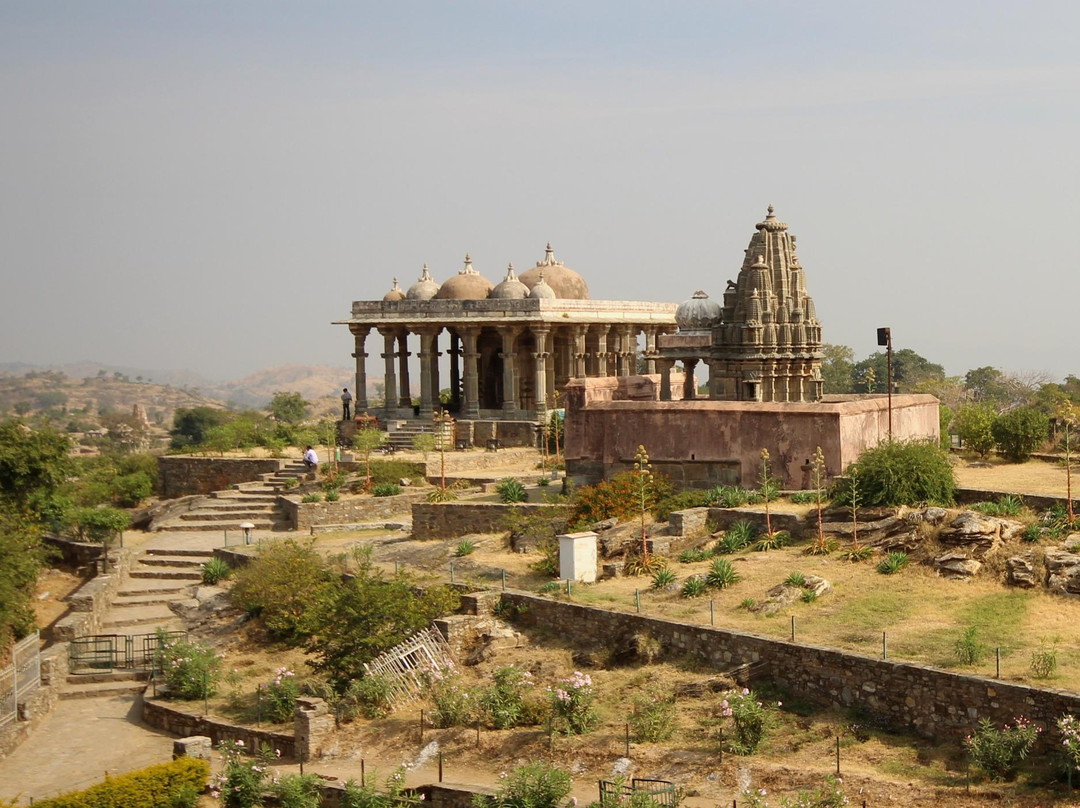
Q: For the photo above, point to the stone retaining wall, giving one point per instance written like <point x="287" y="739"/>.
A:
<point x="449" y="520"/>
<point x="723" y="518"/>
<point x="305" y="515"/>
<point x="174" y="720"/>
<point x="912" y="697"/>
<point x="969" y="496"/>
<point x="181" y="475"/>
<point x="90" y="601"/>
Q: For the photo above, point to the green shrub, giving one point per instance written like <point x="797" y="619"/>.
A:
<point x="775" y="541"/>
<point x="99" y="524"/>
<point x="899" y="473"/>
<point x="974" y="424"/>
<point x="998" y="752"/>
<point x="532" y="785"/>
<point x="241" y="781"/>
<point x="372" y="694"/>
<point x="1020" y="432"/>
<point x="442" y="495"/>
<point x="680" y="501"/>
<point x="162" y="785"/>
<point x="804" y="497"/>
<point x="749" y="721"/>
<point x="386" y="489"/>
<point x="394" y="471"/>
<point x="453" y="704"/>
<point x="857" y="552"/>
<point x="1007" y="505"/>
<point x="191" y="670"/>
<point x="728" y="496"/>
<point x="279" y="696"/>
<point x="796" y="579"/>
<point x="693" y="555"/>
<point x="721" y="574"/>
<point x="653" y="716"/>
<point x="747" y="603"/>
<point x="967" y="648"/>
<point x="465" y="547"/>
<point x="298" y="790"/>
<point x="1044" y="661"/>
<point x="736" y="537"/>
<point x="809" y="596"/>
<point x="312" y="496"/>
<point x="892" y="563"/>
<point x="504" y="703"/>
<point x="572" y="705"/>
<point x="333" y="495"/>
<point x="215" y="570"/>
<point x="281" y="585"/>
<point x="694" y="587"/>
<point x="369" y="796"/>
<point x="663" y="578"/>
<point x="511" y="490"/>
<point x="1032" y="533"/>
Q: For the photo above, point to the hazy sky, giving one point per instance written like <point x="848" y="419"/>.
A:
<point x="207" y="185"/>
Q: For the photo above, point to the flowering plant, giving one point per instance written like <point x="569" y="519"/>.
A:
<point x="454" y="704"/>
<point x="572" y="708"/>
<point x="1069" y="726"/>
<point x="241" y="780"/>
<point x="998" y="752"/>
<point x="504" y="701"/>
<point x="279" y="696"/>
<point x="749" y="720"/>
<point x="533" y="785"/>
<point x="191" y="670"/>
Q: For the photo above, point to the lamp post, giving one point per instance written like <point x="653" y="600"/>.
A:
<point x="884" y="337"/>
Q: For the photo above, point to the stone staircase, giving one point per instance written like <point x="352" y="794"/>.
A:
<point x="141" y="606"/>
<point x="400" y="434"/>
<point x="254" y="503"/>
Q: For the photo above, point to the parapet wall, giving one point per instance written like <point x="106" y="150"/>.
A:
<point x="449" y="520"/>
<point x="350" y="510"/>
<point x="181" y="475"/>
<point x="916" y="698"/>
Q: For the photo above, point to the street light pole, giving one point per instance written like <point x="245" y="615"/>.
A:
<point x="884" y="337"/>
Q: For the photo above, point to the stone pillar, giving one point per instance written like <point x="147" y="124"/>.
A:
<point x="628" y="351"/>
<point x="313" y="724"/>
<point x="690" y="382"/>
<point x="427" y="396"/>
<point x="541" y="335"/>
<point x="390" y="390"/>
<point x="650" y="349"/>
<point x="193" y="746"/>
<point x="602" y="352"/>
<point x="405" y="399"/>
<point x="509" y="337"/>
<point x="579" y="352"/>
<point x="665" y="366"/>
<point x="471" y="403"/>
<point x="435" y="367"/>
<point x="455" y="372"/>
<point x="360" y="393"/>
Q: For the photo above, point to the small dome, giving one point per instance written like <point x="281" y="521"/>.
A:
<point x="395" y="293"/>
<point x="541" y="291"/>
<point x="423" y="289"/>
<point x="510" y="288"/>
<point x="468" y="284"/>
<point x="698" y="313"/>
<point x="566" y="283"/>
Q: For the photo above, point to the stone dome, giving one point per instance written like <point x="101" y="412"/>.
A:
<point x="541" y="290"/>
<point x="395" y="293"/>
<point x="566" y="283"/>
<point x="468" y="284"/>
<point x="423" y="289"/>
<point x="698" y="313"/>
<point x="510" y="288"/>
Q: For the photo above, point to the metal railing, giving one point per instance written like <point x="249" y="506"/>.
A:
<point x="661" y="791"/>
<point x="21" y="677"/>
<point x="106" y="652"/>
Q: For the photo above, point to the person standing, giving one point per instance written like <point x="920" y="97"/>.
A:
<point x="346" y="403"/>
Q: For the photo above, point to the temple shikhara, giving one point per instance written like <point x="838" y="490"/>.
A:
<point x="506" y="354"/>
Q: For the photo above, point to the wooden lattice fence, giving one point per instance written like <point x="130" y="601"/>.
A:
<point x="406" y="666"/>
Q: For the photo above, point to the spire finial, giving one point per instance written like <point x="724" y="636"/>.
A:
<point x="770" y="209"/>
<point x="510" y="272"/>
<point x="468" y="268"/>
<point x="395" y="283"/>
<point x="425" y="275"/>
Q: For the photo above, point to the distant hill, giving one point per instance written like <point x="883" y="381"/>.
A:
<point x="313" y="382"/>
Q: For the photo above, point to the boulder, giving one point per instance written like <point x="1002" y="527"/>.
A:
<point x="783" y="595"/>
<point x="956" y="564"/>
<point x="1020" y="571"/>
<point x="979" y="535"/>
<point x="1072" y="542"/>
<point x="1063" y="572"/>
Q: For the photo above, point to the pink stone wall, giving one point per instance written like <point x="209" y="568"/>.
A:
<point x="603" y="435"/>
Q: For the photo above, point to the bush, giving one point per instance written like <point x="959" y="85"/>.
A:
<point x="728" y="496"/>
<point x="393" y="471"/>
<point x="892" y="563"/>
<point x="998" y="752"/>
<point x="653" y="717"/>
<point x="721" y="574"/>
<point x="386" y="489"/>
<point x="749" y="721"/>
<point x="974" y="423"/>
<point x="453" y="704"/>
<point x="281" y="585"/>
<point x="511" y="490"/>
<point x="774" y="541"/>
<point x="572" y="710"/>
<point x="191" y="670"/>
<point x="693" y="555"/>
<point x="163" y="785"/>
<point x="504" y="702"/>
<point x="241" y="780"/>
<point x="663" y="578"/>
<point x="313" y="496"/>
<point x="279" y="696"/>
<point x="465" y="547"/>
<point x="680" y="501"/>
<point x="967" y="648"/>
<point x="900" y="473"/>
<point x="298" y="791"/>
<point x="215" y="570"/>
<point x="533" y="785"/>
<point x="1044" y="661"/>
<point x="618" y="497"/>
<point x="1008" y="505"/>
<point x="373" y="694"/>
<point x="369" y="796"/>
<point x="1020" y="432"/>
<point x="804" y="498"/>
<point x="99" y="524"/>
<point x="694" y="587"/>
<point x="736" y="537"/>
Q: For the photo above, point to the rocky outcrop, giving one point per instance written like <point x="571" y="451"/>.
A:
<point x="979" y="535"/>
<point x="1020" y="571"/>
<point x="1062" y="571"/>
<point x="957" y="564"/>
<point x="783" y="595"/>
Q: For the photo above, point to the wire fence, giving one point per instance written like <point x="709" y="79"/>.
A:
<point x="21" y="678"/>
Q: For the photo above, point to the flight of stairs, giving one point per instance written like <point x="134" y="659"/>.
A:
<point x="254" y="503"/>
<point x="400" y="434"/>
<point x="141" y="606"/>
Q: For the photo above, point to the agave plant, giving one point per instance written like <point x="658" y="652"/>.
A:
<point x="721" y="574"/>
<point x="694" y="588"/>
<point x="663" y="578"/>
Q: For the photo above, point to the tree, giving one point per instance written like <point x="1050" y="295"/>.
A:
<point x="899" y="473"/>
<point x="974" y="424"/>
<point x="837" y="366"/>
<point x="366" y="441"/>
<point x="908" y="371"/>
<point x="33" y="462"/>
<point x="22" y="555"/>
<point x="289" y="408"/>
<point x="1020" y="432"/>
<point x="191" y="426"/>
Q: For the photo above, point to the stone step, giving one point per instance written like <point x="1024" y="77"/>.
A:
<point x="231" y="506"/>
<point x="154" y="614"/>
<point x="172" y="561"/>
<point x="254" y="488"/>
<point x="102" y="689"/>
<point x="178" y="589"/>
<point x="166" y="575"/>
<point x="122" y="602"/>
<point x="260" y="524"/>
<point x="117" y="675"/>
<point x="166" y="551"/>
<point x="243" y="497"/>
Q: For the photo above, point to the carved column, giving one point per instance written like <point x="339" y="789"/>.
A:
<point x="541" y="335"/>
<point x="437" y="330"/>
<point x="509" y="337"/>
<point x="650" y="349"/>
<point x="689" y="383"/>
<point x="665" y="366"/>
<point x="628" y="351"/>
<point x="602" y="352"/>
<point x="471" y="403"/>
<point x="455" y="372"/>
<point x="427" y="396"/>
<point x="405" y="399"/>
<point x="359" y="338"/>
<point x="579" y="354"/>
<point x="389" y="374"/>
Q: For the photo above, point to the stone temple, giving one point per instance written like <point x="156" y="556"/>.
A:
<point x="535" y="341"/>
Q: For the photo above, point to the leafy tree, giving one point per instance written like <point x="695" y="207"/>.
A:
<point x="899" y="473"/>
<point x="987" y="384"/>
<point x="908" y="371"/>
<point x="974" y="424"/>
<point x="33" y="462"/>
<point x="368" y="615"/>
<point x="290" y="408"/>
<point x="1020" y="432"/>
<point x="22" y="556"/>
<point x="101" y="524"/>
<point x="191" y="426"/>
<point x="837" y="367"/>
<point x="366" y="441"/>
